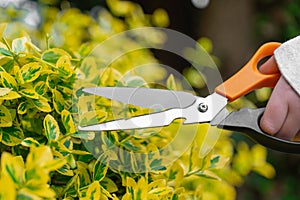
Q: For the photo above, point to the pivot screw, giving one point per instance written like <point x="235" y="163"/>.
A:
<point x="202" y="107"/>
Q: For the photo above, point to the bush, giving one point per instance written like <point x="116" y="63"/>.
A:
<point x="43" y="154"/>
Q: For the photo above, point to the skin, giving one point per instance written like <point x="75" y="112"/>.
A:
<point x="282" y="115"/>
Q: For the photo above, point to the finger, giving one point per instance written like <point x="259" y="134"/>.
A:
<point x="291" y="126"/>
<point x="269" y="67"/>
<point x="276" y="110"/>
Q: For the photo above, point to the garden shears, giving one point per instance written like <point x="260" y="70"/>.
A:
<point x="193" y="109"/>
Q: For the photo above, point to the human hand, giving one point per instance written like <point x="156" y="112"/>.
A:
<point x="282" y="114"/>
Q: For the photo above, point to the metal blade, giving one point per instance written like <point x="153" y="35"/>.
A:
<point x="144" y="121"/>
<point x="145" y="97"/>
<point x="192" y="114"/>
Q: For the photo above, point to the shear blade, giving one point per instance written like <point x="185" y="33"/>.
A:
<point x="145" y="97"/>
<point x="158" y="119"/>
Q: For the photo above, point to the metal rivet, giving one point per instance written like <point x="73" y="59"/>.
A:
<point x="202" y="107"/>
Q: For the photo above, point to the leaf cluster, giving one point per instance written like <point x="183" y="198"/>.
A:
<point x="44" y="156"/>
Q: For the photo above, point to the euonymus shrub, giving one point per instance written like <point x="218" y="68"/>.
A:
<point x="43" y="156"/>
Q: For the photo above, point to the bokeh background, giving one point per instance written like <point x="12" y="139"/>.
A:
<point x="236" y="28"/>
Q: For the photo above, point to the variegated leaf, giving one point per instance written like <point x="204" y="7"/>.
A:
<point x="58" y="101"/>
<point x="29" y="72"/>
<point x="51" y="128"/>
<point x="30" y="93"/>
<point x="52" y="55"/>
<point x="68" y="122"/>
<point x="42" y="104"/>
<point x="12" y="136"/>
<point x="12" y="167"/>
<point x="94" y="191"/>
<point x="100" y="167"/>
<point x="22" y="108"/>
<point x="40" y="87"/>
<point x="8" y="81"/>
<point x="92" y="117"/>
<point x="5" y="117"/>
<point x="64" y="67"/>
<point x="10" y="96"/>
<point x="28" y="142"/>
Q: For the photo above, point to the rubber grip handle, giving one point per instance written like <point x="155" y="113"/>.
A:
<point x="249" y="77"/>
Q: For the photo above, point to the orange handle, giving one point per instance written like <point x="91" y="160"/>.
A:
<point x="249" y="77"/>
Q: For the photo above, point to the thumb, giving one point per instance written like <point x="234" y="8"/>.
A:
<point x="269" y="67"/>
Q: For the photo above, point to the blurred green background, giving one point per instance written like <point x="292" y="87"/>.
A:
<point x="236" y="28"/>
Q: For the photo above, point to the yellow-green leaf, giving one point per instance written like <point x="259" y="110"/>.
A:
<point x="64" y="66"/>
<point x="160" y="18"/>
<point x="100" y="168"/>
<point x="42" y="104"/>
<point x="68" y="122"/>
<point x="8" y="81"/>
<point x="110" y="77"/>
<point x="92" y="117"/>
<point x="7" y="188"/>
<point x="12" y="136"/>
<point x="94" y="191"/>
<point x="10" y="96"/>
<point x="2" y="29"/>
<point x="22" y="108"/>
<point x="30" y="93"/>
<point x="58" y="101"/>
<point x="171" y="84"/>
<point x="52" y="55"/>
<point x="12" y="167"/>
<point x="5" y="117"/>
<point x="54" y="164"/>
<point x="38" y="157"/>
<point x="40" y="87"/>
<point x="29" y="72"/>
<point x="28" y="142"/>
<point x="51" y="128"/>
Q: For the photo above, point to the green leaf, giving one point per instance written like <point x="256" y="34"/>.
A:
<point x="29" y="72"/>
<point x="68" y="122"/>
<point x="12" y="136"/>
<point x="58" y="101"/>
<point x="5" y="117"/>
<point x="52" y="55"/>
<point x="5" y="52"/>
<point x="42" y="104"/>
<point x="30" y="93"/>
<point x="51" y="128"/>
<point x="8" y="81"/>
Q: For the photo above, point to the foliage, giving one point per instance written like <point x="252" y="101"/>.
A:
<point x="43" y="154"/>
